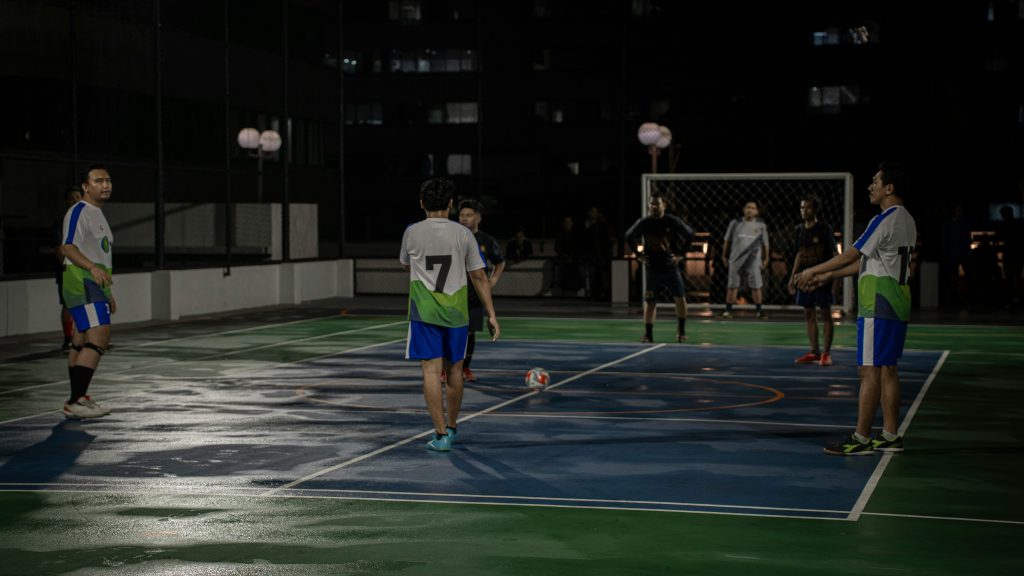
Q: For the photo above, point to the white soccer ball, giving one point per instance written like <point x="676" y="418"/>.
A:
<point x="537" y="378"/>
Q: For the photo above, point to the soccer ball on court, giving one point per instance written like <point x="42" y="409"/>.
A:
<point x="537" y="378"/>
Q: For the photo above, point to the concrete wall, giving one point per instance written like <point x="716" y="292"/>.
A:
<point x="31" y="306"/>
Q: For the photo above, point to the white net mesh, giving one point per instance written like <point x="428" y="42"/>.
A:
<point x="708" y="202"/>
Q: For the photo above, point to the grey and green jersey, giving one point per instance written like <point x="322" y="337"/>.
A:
<point x="86" y="228"/>
<point x="439" y="253"/>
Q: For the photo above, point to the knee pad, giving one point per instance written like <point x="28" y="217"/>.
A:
<point x="92" y="346"/>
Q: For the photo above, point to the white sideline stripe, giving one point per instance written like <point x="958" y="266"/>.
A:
<point x="209" y="356"/>
<point x="259" y="327"/>
<point x="324" y="494"/>
<point x="883" y="462"/>
<point x="498" y="406"/>
<point x="272" y="366"/>
<point x="669" y="419"/>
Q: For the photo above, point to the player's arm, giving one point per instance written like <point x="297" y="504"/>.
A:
<point x="72" y="253"/>
<point x="845" y="264"/>
<point x="483" y="290"/>
<point x="765" y="249"/>
<point x="498" y="269"/>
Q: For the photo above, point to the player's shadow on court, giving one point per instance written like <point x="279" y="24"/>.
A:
<point x="44" y="461"/>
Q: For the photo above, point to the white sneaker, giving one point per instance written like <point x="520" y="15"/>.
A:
<point x="80" y="410"/>
<point x="95" y="405"/>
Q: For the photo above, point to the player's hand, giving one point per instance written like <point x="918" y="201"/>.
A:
<point x="493" y="328"/>
<point x="113" y="305"/>
<point x="791" y="286"/>
<point x="101" y="277"/>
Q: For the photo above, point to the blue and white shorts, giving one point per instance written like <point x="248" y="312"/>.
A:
<point x="91" y="315"/>
<point x="429" y="341"/>
<point x="880" y="341"/>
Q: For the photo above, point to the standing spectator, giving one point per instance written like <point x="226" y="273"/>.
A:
<point x="956" y="255"/>
<point x="72" y="196"/>
<point x="519" y="248"/>
<point x="815" y="244"/>
<point x="1011" y="233"/>
<point x="88" y="266"/>
<point x="660" y="240"/>
<point x="470" y="215"/>
<point x="440" y="255"/>
<point x="745" y="253"/>
<point x="882" y="258"/>
<point x="597" y="254"/>
<point x="567" y="258"/>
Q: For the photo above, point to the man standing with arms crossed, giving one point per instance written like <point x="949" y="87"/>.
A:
<point x="882" y="257"/>
<point x="88" y="265"/>
<point x="440" y="254"/>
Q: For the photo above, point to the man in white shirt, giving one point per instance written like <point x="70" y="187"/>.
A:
<point x="88" y="265"/>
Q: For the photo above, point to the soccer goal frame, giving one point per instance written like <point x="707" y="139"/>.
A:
<point x="708" y="202"/>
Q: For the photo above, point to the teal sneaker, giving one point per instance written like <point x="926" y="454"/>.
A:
<point x="849" y="446"/>
<point x="452" y="433"/>
<point x="442" y="444"/>
<point x="882" y="445"/>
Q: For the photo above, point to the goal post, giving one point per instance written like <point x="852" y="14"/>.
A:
<point x="708" y="202"/>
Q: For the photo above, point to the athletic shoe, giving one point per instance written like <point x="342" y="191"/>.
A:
<point x="646" y="340"/>
<point x="809" y="358"/>
<point x="680" y="337"/>
<point x="442" y="444"/>
<point x="762" y="316"/>
<point x="849" y="446"/>
<point x="826" y="359"/>
<point x="468" y="376"/>
<point x="94" y="405"/>
<point x="882" y="445"/>
<point x="452" y="433"/>
<point x="725" y="315"/>
<point x="79" y="409"/>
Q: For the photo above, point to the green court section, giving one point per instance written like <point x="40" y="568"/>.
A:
<point x="951" y="505"/>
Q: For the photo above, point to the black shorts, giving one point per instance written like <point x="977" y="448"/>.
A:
<point x="670" y="278"/>
<point x="476" y="319"/>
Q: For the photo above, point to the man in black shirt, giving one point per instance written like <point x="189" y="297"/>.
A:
<point x="814" y="244"/>
<point x="660" y="242"/>
<point x="470" y="215"/>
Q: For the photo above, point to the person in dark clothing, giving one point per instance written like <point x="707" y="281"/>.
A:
<point x="815" y="244"/>
<point x="519" y="248"/>
<point x="660" y="242"/>
<point x="470" y="215"/>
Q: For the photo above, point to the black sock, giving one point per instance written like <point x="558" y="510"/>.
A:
<point x="438" y="435"/>
<point x="649" y="331"/>
<point x="454" y="428"/>
<point x="80" y="378"/>
<point x="757" y="308"/>
<point x="728" y="307"/>
<point x="682" y="327"/>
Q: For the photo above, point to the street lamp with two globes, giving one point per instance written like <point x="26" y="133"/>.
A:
<point x="656" y="138"/>
<point x="260" y="145"/>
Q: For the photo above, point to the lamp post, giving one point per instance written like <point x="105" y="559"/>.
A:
<point x="650" y="135"/>
<point x="259" y="144"/>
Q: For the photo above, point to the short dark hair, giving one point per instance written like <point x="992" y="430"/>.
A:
<point x="893" y="173"/>
<point x="472" y="205"/>
<point x="661" y="197"/>
<point x="83" y="175"/>
<point x="812" y="200"/>
<point x="437" y="193"/>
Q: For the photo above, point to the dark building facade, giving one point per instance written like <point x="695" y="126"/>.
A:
<point x="531" y="106"/>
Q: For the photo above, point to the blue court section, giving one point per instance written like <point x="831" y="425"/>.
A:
<point x="673" y="427"/>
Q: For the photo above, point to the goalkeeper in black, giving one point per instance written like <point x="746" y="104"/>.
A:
<point x="660" y="241"/>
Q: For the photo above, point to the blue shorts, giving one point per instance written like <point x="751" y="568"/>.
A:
<point x="671" y="279"/>
<point x="91" y="315"/>
<point x="819" y="298"/>
<point x="429" y="341"/>
<point x="880" y="341"/>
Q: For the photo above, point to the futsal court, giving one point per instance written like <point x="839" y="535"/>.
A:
<point x="293" y="441"/>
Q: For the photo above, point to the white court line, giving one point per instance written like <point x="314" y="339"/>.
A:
<point x="499" y="406"/>
<point x="251" y="328"/>
<point x="327" y="494"/>
<point x="669" y="419"/>
<point x="208" y="357"/>
<point x="271" y="367"/>
<point x="869" y="488"/>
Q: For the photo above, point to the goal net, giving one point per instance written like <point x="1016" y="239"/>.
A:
<point x="708" y="202"/>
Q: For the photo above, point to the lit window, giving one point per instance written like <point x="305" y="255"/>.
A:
<point x="461" y="112"/>
<point x="404" y="10"/>
<point x="460" y="164"/>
